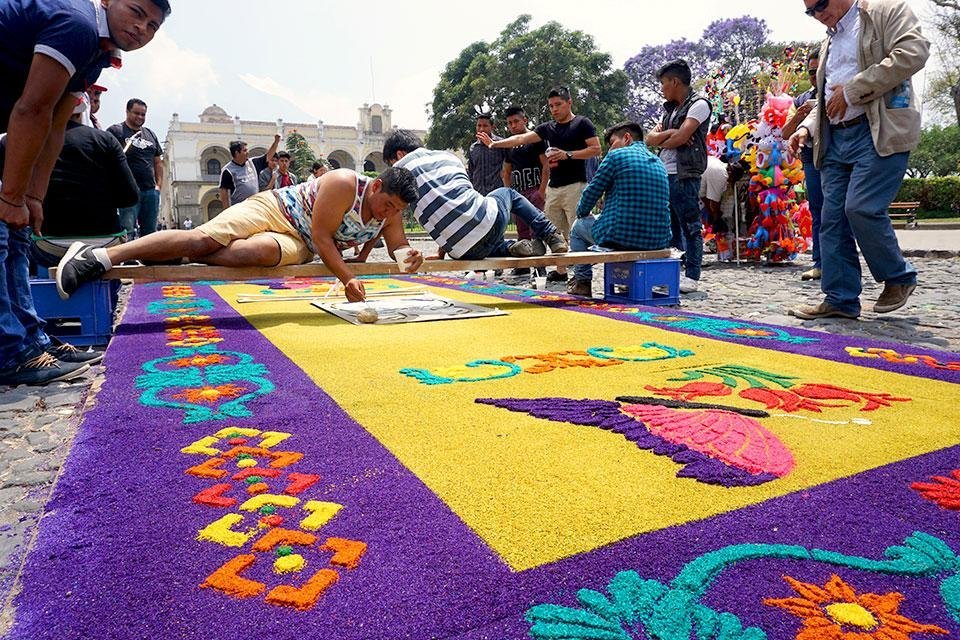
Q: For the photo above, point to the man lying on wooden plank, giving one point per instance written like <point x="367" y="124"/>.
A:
<point x="324" y="216"/>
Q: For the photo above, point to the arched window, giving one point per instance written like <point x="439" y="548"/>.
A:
<point x="213" y="167"/>
<point x="376" y="123"/>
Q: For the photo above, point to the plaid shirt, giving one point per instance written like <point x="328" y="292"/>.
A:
<point x="636" y="210"/>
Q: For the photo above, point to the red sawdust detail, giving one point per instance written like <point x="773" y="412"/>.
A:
<point x="213" y="496"/>
<point x="208" y="469"/>
<point x="300" y="482"/>
<point x="943" y="491"/>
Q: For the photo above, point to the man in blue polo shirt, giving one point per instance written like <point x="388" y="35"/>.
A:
<point x="636" y="209"/>
<point x="50" y="50"/>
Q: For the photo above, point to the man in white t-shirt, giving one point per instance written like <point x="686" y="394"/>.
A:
<point x="682" y="138"/>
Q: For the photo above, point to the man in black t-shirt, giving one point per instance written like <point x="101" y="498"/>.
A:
<point x="570" y="140"/>
<point x="145" y="157"/>
<point x="526" y="169"/>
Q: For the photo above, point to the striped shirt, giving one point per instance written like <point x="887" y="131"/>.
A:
<point x="455" y="215"/>
<point x="636" y="211"/>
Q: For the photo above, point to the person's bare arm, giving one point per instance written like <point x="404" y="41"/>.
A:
<point x="680" y="137"/>
<point x="506" y="174"/>
<point x="273" y="148"/>
<point x="395" y="238"/>
<point x="335" y="195"/>
<point x="530" y="137"/>
<point x="225" y="198"/>
<point x="33" y="143"/>
<point x="799" y="116"/>
<point x="544" y="175"/>
<point x="158" y="171"/>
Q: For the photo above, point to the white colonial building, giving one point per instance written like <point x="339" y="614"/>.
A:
<point x="195" y="153"/>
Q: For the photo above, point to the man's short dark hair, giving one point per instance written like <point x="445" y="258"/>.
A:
<point x="132" y="102"/>
<point x="163" y="5"/>
<point x="283" y="154"/>
<point x="559" y="92"/>
<point x="318" y="164"/>
<point x="400" y="140"/>
<point x="814" y="55"/>
<point x="678" y="69"/>
<point x="515" y="110"/>
<point x="401" y="183"/>
<point x="236" y="147"/>
<point x="627" y="126"/>
<point x="484" y="116"/>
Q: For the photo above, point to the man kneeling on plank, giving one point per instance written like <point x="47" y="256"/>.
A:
<point x="323" y="216"/>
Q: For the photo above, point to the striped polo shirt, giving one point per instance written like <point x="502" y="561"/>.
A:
<point x="452" y="212"/>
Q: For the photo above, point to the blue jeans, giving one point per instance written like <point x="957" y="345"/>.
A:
<point x="509" y="202"/>
<point x="687" y="227"/>
<point x="858" y="186"/>
<point x="814" y="199"/>
<point x="21" y="331"/>
<point x="144" y="213"/>
<point x="581" y="239"/>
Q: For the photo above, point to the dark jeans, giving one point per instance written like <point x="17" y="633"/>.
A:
<point x="21" y="330"/>
<point x="687" y="226"/>
<point x="509" y="202"/>
<point x="524" y="232"/>
<point x="814" y="199"/>
<point x="144" y="213"/>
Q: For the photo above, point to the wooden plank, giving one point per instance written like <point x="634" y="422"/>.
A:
<point x="193" y="272"/>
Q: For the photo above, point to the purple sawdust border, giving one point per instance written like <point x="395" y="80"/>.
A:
<point x="822" y="345"/>
<point x="116" y="556"/>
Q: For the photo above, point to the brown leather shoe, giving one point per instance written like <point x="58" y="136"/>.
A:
<point x="822" y="310"/>
<point x="893" y="297"/>
<point x="583" y="288"/>
<point x="812" y="274"/>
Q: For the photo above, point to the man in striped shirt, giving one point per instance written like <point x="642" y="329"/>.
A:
<point x="466" y="224"/>
<point x="636" y="209"/>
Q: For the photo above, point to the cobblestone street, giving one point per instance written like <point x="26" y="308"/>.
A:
<point x="37" y="425"/>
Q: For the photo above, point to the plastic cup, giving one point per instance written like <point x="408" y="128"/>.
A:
<point x="540" y="282"/>
<point x="401" y="255"/>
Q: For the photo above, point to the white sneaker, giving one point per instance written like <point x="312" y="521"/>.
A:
<point x="688" y="285"/>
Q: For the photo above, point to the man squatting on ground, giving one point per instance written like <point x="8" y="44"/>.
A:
<point x="464" y="223"/>
<point x="322" y="216"/>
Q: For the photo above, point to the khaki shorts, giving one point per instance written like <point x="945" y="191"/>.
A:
<point x="259" y="215"/>
<point x="561" y="205"/>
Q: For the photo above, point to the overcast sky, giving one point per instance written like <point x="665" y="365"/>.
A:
<point x="307" y="61"/>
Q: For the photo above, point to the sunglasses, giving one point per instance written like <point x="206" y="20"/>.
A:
<point x="820" y="6"/>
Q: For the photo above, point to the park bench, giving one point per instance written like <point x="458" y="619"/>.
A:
<point x="904" y="211"/>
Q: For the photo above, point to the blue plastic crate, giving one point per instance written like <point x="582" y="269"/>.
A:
<point x="646" y="282"/>
<point x="85" y="319"/>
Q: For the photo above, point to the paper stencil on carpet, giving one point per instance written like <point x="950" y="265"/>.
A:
<point x="566" y="471"/>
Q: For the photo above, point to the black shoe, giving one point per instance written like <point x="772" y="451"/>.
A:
<point x="520" y="271"/>
<point x="42" y="370"/>
<point x="65" y="352"/>
<point x="556" y="276"/>
<point x="76" y="267"/>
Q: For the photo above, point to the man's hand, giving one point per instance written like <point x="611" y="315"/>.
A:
<point x="276" y="138"/>
<point x="413" y="261"/>
<point x="556" y="155"/>
<point x="485" y="139"/>
<point x="35" y="208"/>
<point x="837" y="105"/>
<point x="16" y="217"/>
<point x="658" y="128"/>
<point x="354" y="291"/>
<point x="435" y="257"/>
<point x="798" y="140"/>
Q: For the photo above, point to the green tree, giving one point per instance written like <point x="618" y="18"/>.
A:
<point x="944" y="89"/>
<point x="938" y="153"/>
<point x="520" y="67"/>
<point x="302" y="156"/>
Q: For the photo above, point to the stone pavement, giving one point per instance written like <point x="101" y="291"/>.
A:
<point x="37" y="425"/>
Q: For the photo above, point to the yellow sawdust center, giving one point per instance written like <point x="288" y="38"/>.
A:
<point x="854" y="615"/>
<point x="538" y="491"/>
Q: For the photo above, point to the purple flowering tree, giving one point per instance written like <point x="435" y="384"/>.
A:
<point x="732" y="46"/>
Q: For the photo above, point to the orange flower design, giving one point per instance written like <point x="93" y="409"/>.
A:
<point x="836" y="612"/>
<point x="210" y="395"/>
<point x="752" y="333"/>
<point x="199" y="361"/>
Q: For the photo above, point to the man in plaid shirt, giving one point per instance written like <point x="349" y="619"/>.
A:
<point x="636" y="209"/>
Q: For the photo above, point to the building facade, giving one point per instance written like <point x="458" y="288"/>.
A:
<point x="196" y="152"/>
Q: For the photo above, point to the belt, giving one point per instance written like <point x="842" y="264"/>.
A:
<point x="846" y="124"/>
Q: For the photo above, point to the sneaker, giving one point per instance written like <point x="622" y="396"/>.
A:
<point x="583" y="288"/>
<point x="822" y="310"/>
<point x="688" y="285"/>
<point x="812" y="274"/>
<point x="522" y="249"/>
<point x="76" y="267"/>
<point x="893" y="297"/>
<point x="556" y="243"/>
<point x="42" y="370"/>
<point x="65" y="352"/>
<point x="556" y="276"/>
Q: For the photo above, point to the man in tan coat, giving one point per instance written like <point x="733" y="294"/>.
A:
<point x="863" y="129"/>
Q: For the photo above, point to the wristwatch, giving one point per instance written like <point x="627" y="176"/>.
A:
<point x="569" y="155"/>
